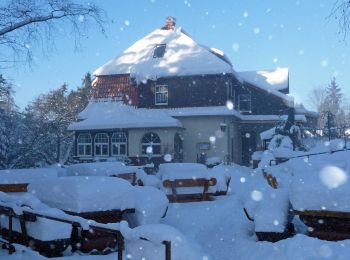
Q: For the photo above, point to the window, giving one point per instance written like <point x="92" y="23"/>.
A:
<point x="159" y="51"/>
<point x="161" y="95"/>
<point x="84" y="144"/>
<point x="244" y="101"/>
<point x="101" y="144"/>
<point x="119" y="142"/>
<point x="150" y="144"/>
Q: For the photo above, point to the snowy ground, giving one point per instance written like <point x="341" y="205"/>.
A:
<point x="227" y="236"/>
<point x="219" y="229"/>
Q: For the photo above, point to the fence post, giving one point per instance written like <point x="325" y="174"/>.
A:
<point x="120" y="245"/>
<point x="167" y="250"/>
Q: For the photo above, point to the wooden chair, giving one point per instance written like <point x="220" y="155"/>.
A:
<point x="188" y="183"/>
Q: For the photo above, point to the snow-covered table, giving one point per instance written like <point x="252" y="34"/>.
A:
<point x="102" y="199"/>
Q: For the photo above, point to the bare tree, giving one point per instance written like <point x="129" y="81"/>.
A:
<point x="28" y="23"/>
<point x="317" y="97"/>
<point x="341" y="12"/>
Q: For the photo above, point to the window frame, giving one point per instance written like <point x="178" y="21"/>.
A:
<point x="101" y="144"/>
<point x="163" y="52"/>
<point x="84" y="144"/>
<point x="248" y="100"/>
<point x="159" y="91"/>
<point x="147" y="142"/>
<point x="119" y="143"/>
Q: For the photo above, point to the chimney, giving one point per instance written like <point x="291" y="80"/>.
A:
<point x="170" y="23"/>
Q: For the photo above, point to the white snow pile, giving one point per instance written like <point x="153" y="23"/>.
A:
<point x="181" y="248"/>
<point x="97" y="169"/>
<point x="317" y="182"/>
<point x="150" y="204"/>
<point x="267" y="206"/>
<point x="182" y="57"/>
<point x="108" y="169"/>
<point x="84" y="194"/>
<point x="15" y="176"/>
<point x="42" y="229"/>
<point x="89" y="194"/>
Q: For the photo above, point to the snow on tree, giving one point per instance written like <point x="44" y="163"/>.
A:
<point x="27" y="23"/>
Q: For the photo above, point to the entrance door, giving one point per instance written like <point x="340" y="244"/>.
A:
<point x="178" y="148"/>
<point x="248" y="147"/>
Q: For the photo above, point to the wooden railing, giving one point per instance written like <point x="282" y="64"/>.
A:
<point x="31" y="215"/>
<point x="307" y="155"/>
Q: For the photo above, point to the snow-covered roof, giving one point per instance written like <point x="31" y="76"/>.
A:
<point x="271" y="81"/>
<point x="113" y="114"/>
<point x="183" y="56"/>
<point x="300" y="118"/>
<point x="300" y="109"/>
<point x="277" y="79"/>
<point x="202" y="111"/>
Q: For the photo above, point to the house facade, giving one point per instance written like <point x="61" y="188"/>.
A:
<point x="168" y="98"/>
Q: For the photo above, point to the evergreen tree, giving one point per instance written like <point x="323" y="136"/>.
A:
<point x="334" y="98"/>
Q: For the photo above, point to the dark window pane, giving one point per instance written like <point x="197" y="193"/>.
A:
<point x="88" y="149"/>
<point x="98" y="149"/>
<point x="122" y="149"/>
<point x="115" y="150"/>
<point x="159" y="51"/>
<point x="81" y="149"/>
<point x="156" y="149"/>
<point x="104" y="149"/>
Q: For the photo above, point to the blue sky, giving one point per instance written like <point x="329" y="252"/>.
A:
<point x="254" y="34"/>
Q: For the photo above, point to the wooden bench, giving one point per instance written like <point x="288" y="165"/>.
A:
<point x="19" y="187"/>
<point x="326" y="225"/>
<point x="130" y="177"/>
<point x="187" y="183"/>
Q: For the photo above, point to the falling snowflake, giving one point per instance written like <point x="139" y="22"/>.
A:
<point x="235" y="47"/>
<point x="229" y="104"/>
<point x="324" y="63"/>
<point x="256" y="195"/>
<point x="126" y="22"/>
<point x="256" y="30"/>
<point x="333" y="177"/>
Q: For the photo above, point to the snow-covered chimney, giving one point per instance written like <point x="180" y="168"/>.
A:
<point x="170" y="23"/>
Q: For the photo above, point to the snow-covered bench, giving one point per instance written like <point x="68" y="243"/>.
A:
<point x="189" y="183"/>
<point x="185" y="182"/>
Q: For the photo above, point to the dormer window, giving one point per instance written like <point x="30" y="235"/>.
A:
<point x="159" y="51"/>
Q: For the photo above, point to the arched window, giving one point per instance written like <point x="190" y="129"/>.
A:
<point x="151" y="144"/>
<point x="101" y="144"/>
<point x="119" y="143"/>
<point x="84" y="144"/>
